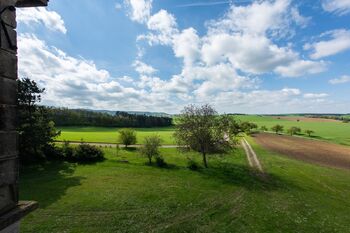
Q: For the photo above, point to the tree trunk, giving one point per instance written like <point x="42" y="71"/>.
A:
<point x="205" y="160"/>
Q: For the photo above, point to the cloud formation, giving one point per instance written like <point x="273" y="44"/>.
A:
<point x="339" y="41"/>
<point x="343" y="79"/>
<point x="340" y="7"/>
<point x="222" y="65"/>
<point x="139" y="10"/>
<point x="50" y="19"/>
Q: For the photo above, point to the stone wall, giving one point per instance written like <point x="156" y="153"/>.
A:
<point x="11" y="210"/>
<point x="8" y="92"/>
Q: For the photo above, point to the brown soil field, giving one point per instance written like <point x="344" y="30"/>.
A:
<point x="304" y="119"/>
<point x="313" y="151"/>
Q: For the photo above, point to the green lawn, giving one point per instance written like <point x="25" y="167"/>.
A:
<point x="337" y="132"/>
<point x="110" y="135"/>
<point x="132" y="197"/>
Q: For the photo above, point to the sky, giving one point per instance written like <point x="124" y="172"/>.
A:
<point x="240" y="56"/>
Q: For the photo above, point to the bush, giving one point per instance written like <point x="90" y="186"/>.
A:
<point x="193" y="165"/>
<point x="85" y="153"/>
<point x="150" y="148"/>
<point x="127" y="137"/>
<point x="68" y="151"/>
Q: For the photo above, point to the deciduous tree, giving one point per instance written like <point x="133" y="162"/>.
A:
<point x="277" y="128"/>
<point x="201" y="129"/>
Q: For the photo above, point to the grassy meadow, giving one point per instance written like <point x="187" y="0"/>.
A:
<point x="336" y="132"/>
<point x="114" y="196"/>
<point x="110" y="135"/>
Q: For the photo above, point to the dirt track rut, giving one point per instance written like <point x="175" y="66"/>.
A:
<point x="251" y="156"/>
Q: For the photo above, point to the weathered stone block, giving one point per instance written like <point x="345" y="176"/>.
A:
<point x="8" y="144"/>
<point x="8" y="91"/>
<point x="8" y="198"/>
<point x="8" y="64"/>
<point x="8" y="38"/>
<point x="4" y="3"/>
<point x="31" y="3"/>
<point x="8" y="172"/>
<point x="9" y="17"/>
<point x="8" y="117"/>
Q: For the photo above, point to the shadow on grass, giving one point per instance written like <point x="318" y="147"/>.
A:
<point x="165" y="166"/>
<point x="130" y="149"/>
<point x="47" y="183"/>
<point x="244" y="176"/>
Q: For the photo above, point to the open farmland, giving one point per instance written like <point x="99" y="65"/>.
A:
<point x="110" y="135"/>
<point x="333" y="131"/>
<point x="313" y="151"/>
<point x="114" y="196"/>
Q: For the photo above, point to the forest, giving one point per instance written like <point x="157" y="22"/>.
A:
<point x="79" y="117"/>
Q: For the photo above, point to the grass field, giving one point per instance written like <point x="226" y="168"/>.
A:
<point x="336" y="132"/>
<point x="110" y="135"/>
<point x="132" y="197"/>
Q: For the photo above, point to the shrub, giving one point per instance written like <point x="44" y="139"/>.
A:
<point x="277" y="128"/>
<point x="193" y="165"/>
<point x="68" y="151"/>
<point x="309" y="132"/>
<point x="263" y="128"/>
<point x="127" y="137"/>
<point x="150" y="148"/>
<point x="85" y="153"/>
<point x="294" y="130"/>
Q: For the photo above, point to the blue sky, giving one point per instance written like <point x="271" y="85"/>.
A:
<point x="243" y="56"/>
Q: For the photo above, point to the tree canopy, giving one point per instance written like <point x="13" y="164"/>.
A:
<point x="201" y="129"/>
<point x="36" y="131"/>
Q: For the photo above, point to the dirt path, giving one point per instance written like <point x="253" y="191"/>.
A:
<point x="313" y="151"/>
<point x="251" y="156"/>
<point x="115" y="145"/>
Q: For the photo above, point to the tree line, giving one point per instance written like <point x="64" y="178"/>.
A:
<point x="80" y="117"/>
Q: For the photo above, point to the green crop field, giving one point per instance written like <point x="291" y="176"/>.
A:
<point x="337" y="132"/>
<point x="110" y="135"/>
<point x="114" y="196"/>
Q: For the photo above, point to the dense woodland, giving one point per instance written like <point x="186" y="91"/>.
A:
<point x="78" y="117"/>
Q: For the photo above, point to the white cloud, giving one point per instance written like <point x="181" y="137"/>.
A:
<point x="51" y="19"/>
<point x="301" y="68"/>
<point x="139" y="10"/>
<point x="163" y="27"/>
<point x="341" y="80"/>
<point x="143" y="68"/>
<point x="253" y="54"/>
<point x="339" y="41"/>
<point x="260" y="18"/>
<point x="187" y="45"/>
<point x="340" y="7"/>
<point x="315" y="95"/>
<point x="78" y="83"/>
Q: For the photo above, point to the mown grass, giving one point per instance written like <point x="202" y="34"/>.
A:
<point x="110" y="135"/>
<point x="114" y="196"/>
<point x="337" y="132"/>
